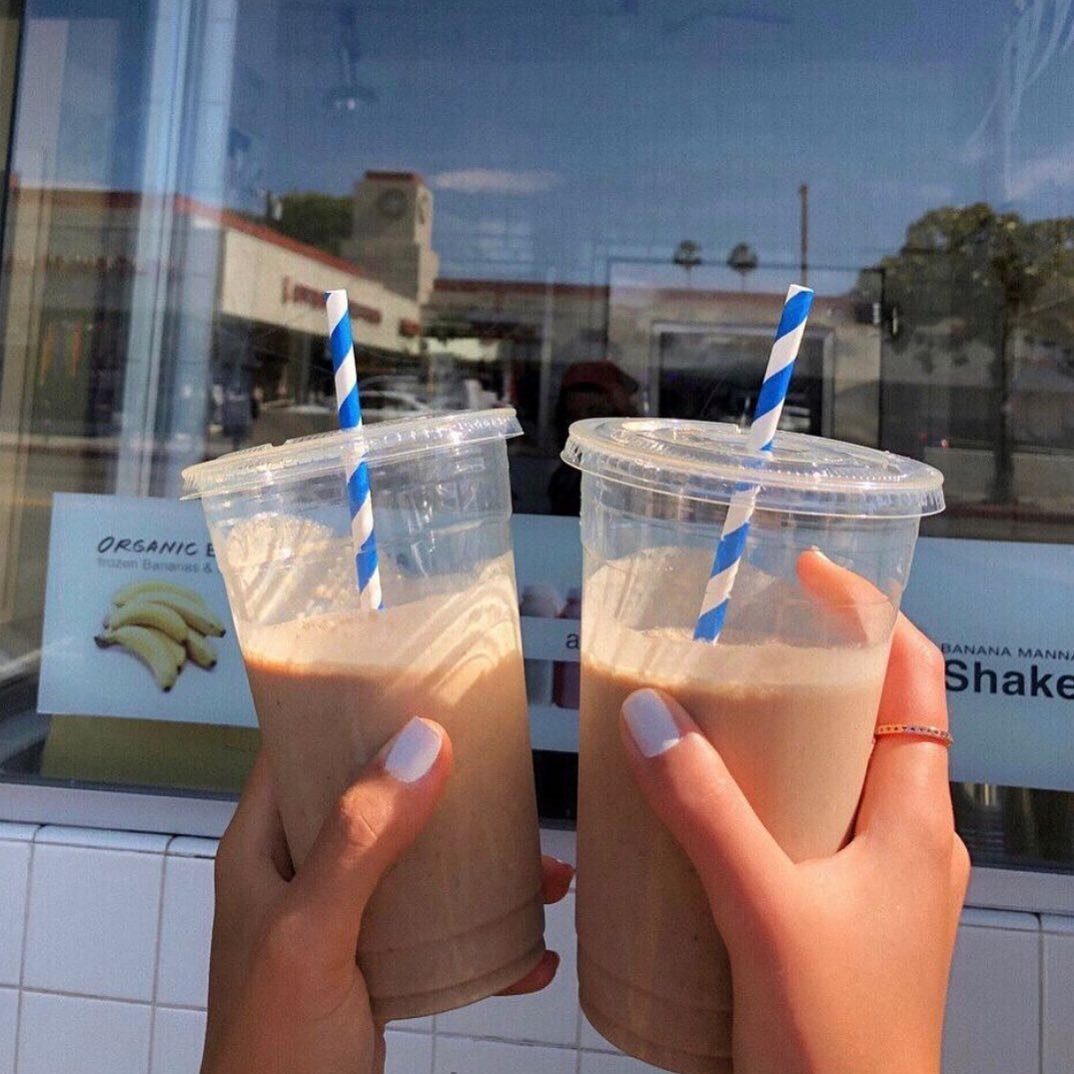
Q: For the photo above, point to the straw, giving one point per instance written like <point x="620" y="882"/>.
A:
<point x="350" y="417"/>
<point x="762" y="430"/>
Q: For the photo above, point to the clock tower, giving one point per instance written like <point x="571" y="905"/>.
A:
<point x="392" y="230"/>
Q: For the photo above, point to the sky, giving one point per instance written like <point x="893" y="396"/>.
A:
<point x="582" y="140"/>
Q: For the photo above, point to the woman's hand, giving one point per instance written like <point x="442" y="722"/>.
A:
<point x="285" y="993"/>
<point x="840" y="965"/>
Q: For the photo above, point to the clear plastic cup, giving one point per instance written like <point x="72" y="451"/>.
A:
<point x="460" y="916"/>
<point x="788" y="694"/>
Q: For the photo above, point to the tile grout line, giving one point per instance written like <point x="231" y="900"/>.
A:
<point x="25" y="944"/>
<point x="578" y="1040"/>
<point x="519" y="1042"/>
<point x="1041" y="997"/>
<point x="155" y="987"/>
<point x="97" y="998"/>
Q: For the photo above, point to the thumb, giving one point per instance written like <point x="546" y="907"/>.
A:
<point x="683" y="777"/>
<point x="374" y="821"/>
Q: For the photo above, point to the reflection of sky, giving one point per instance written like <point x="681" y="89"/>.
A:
<point x="564" y="135"/>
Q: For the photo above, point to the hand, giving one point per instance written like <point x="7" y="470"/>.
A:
<point x="840" y="965"/>
<point x="285" y="993"/>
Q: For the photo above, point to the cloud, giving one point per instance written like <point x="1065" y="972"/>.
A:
<point x="1055" y="169"/>
<point x="494" y="181"/>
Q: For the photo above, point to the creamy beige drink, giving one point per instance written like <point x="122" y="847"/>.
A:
<point x="794" y="724"/>
<point x="460" y="915"/>
<point x="654" y="975"/>
<point x="788" y="693"/>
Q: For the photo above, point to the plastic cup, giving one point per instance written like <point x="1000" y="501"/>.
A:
<point x="460" y="915"/>
<point x="788" y="694"/>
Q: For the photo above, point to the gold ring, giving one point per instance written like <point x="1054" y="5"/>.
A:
<point x="917" y="730"/>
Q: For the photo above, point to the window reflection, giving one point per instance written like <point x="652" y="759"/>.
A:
<point x="571" y="208"/>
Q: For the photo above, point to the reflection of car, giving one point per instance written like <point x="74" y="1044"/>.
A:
<point x="386" y="405"/>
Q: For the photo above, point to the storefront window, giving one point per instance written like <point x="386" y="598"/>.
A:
<point x="573" y="208"/>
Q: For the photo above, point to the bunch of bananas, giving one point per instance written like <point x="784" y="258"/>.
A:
<point x="164" y="625"/>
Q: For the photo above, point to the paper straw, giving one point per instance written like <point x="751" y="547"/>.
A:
<point x="350" y="417"/>
<point x="762" y="429"/>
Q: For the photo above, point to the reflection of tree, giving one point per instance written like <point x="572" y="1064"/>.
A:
<point x="319" y="219"/>
<point x="982" y="273"/>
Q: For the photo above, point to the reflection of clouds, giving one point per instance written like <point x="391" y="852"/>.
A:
<point x="1054" y="169"/>
<point x="927" y="193"/>
<point x="495" y="181"/>
<point x="1042" y="29"/>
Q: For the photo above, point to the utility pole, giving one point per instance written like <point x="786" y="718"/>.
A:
<point x="803" y="194"/>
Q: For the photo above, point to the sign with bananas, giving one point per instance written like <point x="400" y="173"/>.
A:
<point x="136" y="617"/>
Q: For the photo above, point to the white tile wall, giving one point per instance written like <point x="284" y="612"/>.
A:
<point x="605" y="1063"/>
<point x="185" y="930"/>
<point x="177" y="1040"/>
<point x="9" y="1015"/>
<point x="92" y="925"/>
<point x="408" y="1053"/>
<point x="993" y="1015"/>
<point x="113" y="978"/>
<point x="78" y="1034"/>
<point x="14" y="877"/>
<point x="465" y="1055"/>
<point x="1057" y="1016"/>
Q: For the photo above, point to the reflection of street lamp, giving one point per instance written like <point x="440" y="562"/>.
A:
<point x="687" y="254"/>
<point x="743" y="259"/>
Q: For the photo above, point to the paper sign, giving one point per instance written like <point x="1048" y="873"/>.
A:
<point x="1003" y="614"/>
<point x="134" y="610"/>
<point x="1001" y="611"/>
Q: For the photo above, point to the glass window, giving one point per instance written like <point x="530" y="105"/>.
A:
<point x="577" y="208"/>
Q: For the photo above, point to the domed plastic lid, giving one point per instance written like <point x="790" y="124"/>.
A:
<point x="702" y="460"/>
<point x="308" y="456"/>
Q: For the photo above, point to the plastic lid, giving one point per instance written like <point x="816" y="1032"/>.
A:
<point x="701" y="460"/>
<point x="308" y="456"/>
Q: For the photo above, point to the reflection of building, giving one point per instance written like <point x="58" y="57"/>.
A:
<point x="674" y="342"/>
<point x="268" y="308"/>
<point x="694" y="353"/>
<point x="392" y="232"/>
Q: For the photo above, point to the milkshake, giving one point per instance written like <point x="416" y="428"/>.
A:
<point x="653" y="973"/>
<point x="459" y="916"/>
<point x="788" y="695"/>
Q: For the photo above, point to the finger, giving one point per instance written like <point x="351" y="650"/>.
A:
<point x="690" y="789"/>
<point x="861" y="612"/>
<point x="907" y="782"/>
<point x="370" y="826"/>
<point x="254" y="846"/>
<point x="556" y="878"/>
<point x="539" y="977"/>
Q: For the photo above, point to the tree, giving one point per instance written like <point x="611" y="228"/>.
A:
<point x="984" y="273"/>
<point x="322" y="220"/>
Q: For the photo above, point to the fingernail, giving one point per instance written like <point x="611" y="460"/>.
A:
<point x="817" y="552"/>
<point x="650" y="723"/>
<point x="413" y="752"/>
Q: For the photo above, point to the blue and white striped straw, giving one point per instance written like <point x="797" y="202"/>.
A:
<point x="350" y="417"/>
<point x="766" y="414"/>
